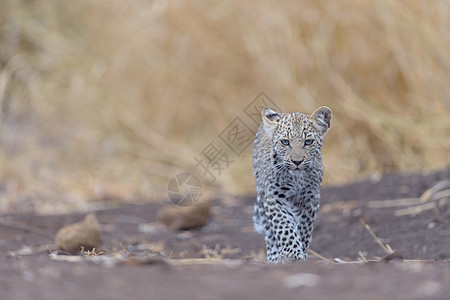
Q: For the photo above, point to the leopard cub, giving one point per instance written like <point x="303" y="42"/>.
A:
<point x="287" y="164"/>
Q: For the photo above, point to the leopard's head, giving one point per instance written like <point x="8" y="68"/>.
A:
<point x="296" y="137"/>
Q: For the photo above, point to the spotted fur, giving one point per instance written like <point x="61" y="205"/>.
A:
<point x="287" y="164"/>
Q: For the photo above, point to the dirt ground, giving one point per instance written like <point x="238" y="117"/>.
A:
<point x="225" y="259"/>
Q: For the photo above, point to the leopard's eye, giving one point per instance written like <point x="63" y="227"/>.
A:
<point x="309" y="142"/>
<point x="284" y="142"/>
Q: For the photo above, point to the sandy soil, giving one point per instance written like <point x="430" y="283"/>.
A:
<point x="225" y="260"/>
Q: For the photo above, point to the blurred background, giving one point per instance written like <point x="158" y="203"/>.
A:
<point x="104" y="100"/>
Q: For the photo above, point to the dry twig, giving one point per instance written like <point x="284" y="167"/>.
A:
<point x="30" y="250"/>
<point x="385" y="249"/>
<point x="414" y="210"/>
<point x="124" y="250"/>
<point x="431" y="193"/>
<point x="394" y="203"/>
<point x="314" y="253"/>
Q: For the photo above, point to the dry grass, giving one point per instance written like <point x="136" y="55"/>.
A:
<point x="110" y="99"/>
<point x="218" y="252"/>
<point x="90" y="252"/>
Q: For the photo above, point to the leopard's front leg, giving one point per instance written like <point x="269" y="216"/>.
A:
<point x="283" y="242"/>
<point x="305" y="218"/>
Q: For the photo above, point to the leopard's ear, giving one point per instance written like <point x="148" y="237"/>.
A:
<point x="270" y="117"/>
<point x="270" y="120"/>
<point x="321" y="119"/>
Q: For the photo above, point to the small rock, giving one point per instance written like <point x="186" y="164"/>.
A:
<point x="185" y="218"/>
<point x="85" y="233"/>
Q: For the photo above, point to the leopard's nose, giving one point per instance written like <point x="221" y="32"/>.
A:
<point x="297" y="162"/>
